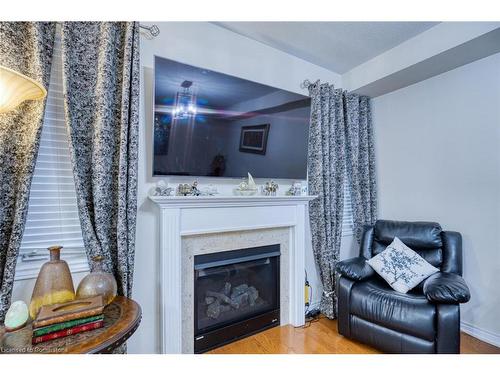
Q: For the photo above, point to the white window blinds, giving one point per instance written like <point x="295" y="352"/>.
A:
<point x="347" y="218"/>
<point x="52" y="212"/>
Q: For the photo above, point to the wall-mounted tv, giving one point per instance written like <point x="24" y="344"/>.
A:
<point x="213" y="124"/>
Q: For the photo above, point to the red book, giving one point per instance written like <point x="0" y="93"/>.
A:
<point x="68" y="332"/>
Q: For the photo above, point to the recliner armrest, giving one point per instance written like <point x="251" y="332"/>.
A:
<point x="445" y="287"/>
<point x="355" y="268"/>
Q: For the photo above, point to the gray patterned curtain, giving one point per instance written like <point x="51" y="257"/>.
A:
<point x="101" y="85"/>
<point x="340" y="144"/>
<point x="326" y="165"/>
<point x="360" y="161"/>
<point x="27" y="48"/>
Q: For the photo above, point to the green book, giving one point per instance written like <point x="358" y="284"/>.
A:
<point x="64" y="325"/>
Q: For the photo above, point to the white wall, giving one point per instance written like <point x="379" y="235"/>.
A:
<point x="211" y="47"/>
<point x="438" y="157"/>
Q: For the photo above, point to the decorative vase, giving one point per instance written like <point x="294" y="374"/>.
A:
<point x="97" y="283"/>
<point x="53" y="284"/>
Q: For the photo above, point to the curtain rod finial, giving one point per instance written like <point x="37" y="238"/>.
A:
<point x="305" y="84"/>
<point x="150" y="31"/>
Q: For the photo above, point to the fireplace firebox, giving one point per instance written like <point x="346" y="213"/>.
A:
<point x="236" y="294"/>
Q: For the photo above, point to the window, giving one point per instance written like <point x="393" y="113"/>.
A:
<point x="347" y="218"/>
<point x="52" y="210"/>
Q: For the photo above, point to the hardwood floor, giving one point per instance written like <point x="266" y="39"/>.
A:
<point x="321" y="337"/>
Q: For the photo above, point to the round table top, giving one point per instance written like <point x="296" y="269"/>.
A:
<point x="121" y="319"/>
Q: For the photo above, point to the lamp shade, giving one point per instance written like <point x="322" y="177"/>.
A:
<point x="15" y="88"/>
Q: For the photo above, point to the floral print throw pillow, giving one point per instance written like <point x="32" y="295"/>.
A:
<point x="401" y="267"/>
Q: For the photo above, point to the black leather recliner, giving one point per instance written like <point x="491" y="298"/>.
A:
<point x="427" y="318"/>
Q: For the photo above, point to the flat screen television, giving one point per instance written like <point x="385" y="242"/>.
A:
<point x="213" y="124"/>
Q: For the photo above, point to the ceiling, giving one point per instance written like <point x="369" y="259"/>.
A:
<point x="217" y="89"/>
<point x="212" y="89"/>
<point x="337" y="46"/>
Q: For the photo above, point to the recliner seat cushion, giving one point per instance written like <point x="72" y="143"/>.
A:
<point x="388" y="340"/>
<point x="373" y="300"/>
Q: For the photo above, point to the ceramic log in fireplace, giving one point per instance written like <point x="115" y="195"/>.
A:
<point x="236" y="294"/>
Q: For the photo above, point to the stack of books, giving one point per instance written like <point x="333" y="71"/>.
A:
<point x="65" y="319"/>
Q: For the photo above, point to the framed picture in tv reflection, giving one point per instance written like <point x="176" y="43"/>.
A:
<point x="253" y="138"/>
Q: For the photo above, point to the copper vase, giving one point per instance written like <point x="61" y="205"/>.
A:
<point x="54" y="283"/>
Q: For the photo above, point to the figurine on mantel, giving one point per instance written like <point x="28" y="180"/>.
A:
<point x="247" y="187"/>
<point x="209" y="190"/>
<point x="162" y="189"/>
<point x="185" y="190"/>
<point x="295" y="189"/>
<point x="270" y="188"/>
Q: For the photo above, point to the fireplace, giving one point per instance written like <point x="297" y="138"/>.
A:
<point x="195" y="226"/>
<point x="236" y="294"/>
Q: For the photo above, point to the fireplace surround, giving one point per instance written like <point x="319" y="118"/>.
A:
<point x="192" y="226"/>
<point x="223" y="242"/>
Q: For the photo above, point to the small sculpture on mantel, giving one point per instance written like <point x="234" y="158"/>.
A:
<point x="194" y="189"/>
<point x="295" y="189"/>
<point x="188" y="189"/>
<point x="162" y="189"/>
<point x="270" y="188"/>
<point x="183" y="190"/>
<point x="209" y="190"/>
<point x="246" y="187"/>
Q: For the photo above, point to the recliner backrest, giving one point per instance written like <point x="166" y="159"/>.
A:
<point x="439" y="248"/>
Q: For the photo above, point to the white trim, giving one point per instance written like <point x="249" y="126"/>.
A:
<point x="170" y="285"/>
<point x="235" y="228"/>
<point x="230" y="200"/>
<point x="481" y="334"/>
<point x="181" y="216"/>
<point x="297" y="266"/>
<point x="29" y="270"/>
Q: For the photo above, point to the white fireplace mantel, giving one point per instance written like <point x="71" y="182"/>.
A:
<point x="230" y="200"/>
<point x="188" y="216"/>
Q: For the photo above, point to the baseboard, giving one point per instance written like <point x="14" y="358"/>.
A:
<point x="481" y="334"/>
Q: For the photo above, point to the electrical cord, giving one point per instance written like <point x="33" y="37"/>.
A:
<point x="310" y="321"/>
<point x="309" y="302"/>
<point x="310" y="295"/>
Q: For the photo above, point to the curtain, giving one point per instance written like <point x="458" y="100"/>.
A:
<point x="27" y="48"/>
<point x="360" y="161"/>
<point x="340" y="146"/>
<point x="326" y="166"/>
<point x="101" y="87"/>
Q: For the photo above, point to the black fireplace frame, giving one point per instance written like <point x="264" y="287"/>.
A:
<point x="228" y="332"/>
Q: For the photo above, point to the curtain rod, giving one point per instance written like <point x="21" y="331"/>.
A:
<point x="153" y="30"/>
<point x="305" y="84"/>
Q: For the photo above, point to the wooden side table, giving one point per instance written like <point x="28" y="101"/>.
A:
<point x="121" y="319"/>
